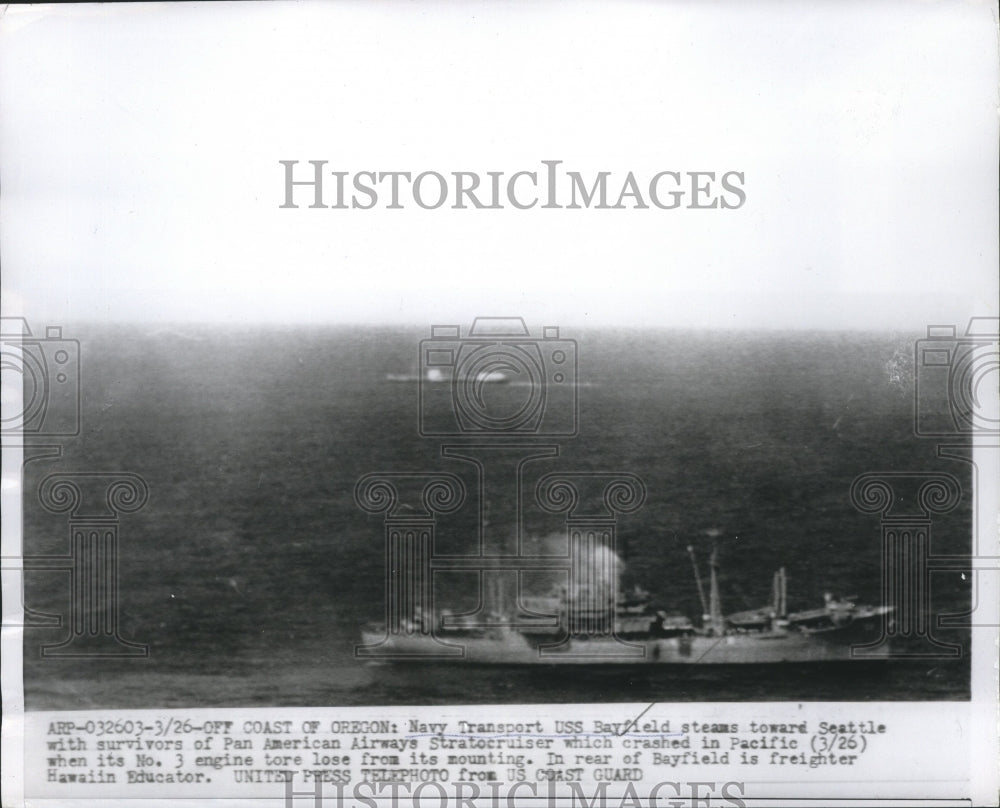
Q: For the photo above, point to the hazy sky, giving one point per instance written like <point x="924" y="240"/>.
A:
<point x="139" y="150"/>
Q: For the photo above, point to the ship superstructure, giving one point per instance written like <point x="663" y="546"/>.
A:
<point x="629" y="630"/>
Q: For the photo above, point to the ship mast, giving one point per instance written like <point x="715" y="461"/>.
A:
<point x="497" y="607"/>
<point x="782" y="594"/>
<point x="701" y="588"/>
<point x="715" y="604"/>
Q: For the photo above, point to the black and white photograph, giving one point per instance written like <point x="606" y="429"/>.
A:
<point x="387" y="381"/>
<point x="702" y="520"/>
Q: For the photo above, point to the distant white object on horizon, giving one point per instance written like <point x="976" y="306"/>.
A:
<point x="436" y="375"/>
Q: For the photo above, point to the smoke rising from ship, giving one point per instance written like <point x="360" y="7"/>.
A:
<point x="595" y="577"/>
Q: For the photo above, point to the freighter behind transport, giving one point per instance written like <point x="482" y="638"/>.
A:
<point x="570" y="630"/>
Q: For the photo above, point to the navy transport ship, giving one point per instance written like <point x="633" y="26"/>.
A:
<point x="594" y="624"/>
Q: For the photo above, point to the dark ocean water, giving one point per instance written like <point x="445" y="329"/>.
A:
<point x="251" y="570"/>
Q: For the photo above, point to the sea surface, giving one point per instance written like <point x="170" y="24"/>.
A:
<point x="251" y="570"/>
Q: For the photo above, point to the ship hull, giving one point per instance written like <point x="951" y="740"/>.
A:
<point x="514" y="649"/>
